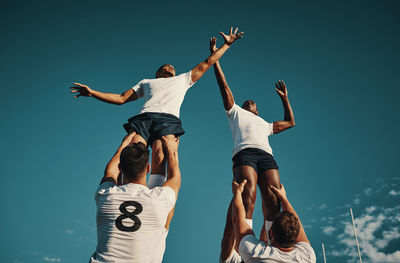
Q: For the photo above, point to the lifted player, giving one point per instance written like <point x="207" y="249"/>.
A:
<point x="252" y="155"/>
<point x="163" y="97"/>
<point x="133" y="220"/>
<point x="289" y="242"/>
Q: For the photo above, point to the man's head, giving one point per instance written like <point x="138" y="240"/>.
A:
<point x="134" y="161"/>
<point x="251" y="106"/>
<point x="165" y="71"/>
<point x="285" y="230"/>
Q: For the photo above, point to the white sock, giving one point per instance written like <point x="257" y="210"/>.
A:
<point x="156" y="180"/>
<point x="268" y="225"/>
<point x="249" y="221"/>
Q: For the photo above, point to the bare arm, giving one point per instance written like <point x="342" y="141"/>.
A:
<point x="112" y="171"/>
<point x="200" y="69"/>
<point x="288" y="121"/>
<point x="226" y="93"/>
<point x="286" y="206"/>
<point x="118" y="99"/>
<point x="171" y="144"/>
<point x="240" y="226"/>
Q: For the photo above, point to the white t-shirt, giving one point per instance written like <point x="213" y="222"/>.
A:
<point x="131" y="223"/>
<point x="233" y="258"/>
<point x="255" y="251"/>
<point x="248" y="130"/>
<point x="164" y="95"/>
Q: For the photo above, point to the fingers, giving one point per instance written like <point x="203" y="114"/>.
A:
<point x="223" y="35"/>
<point x="231" y="31"/>
<point x="240" y="35"/>
<point x="276" y="85"/>
<point x="235" y="31"/>
<point x="77" y="96"/>
<point x="243" y="182"/>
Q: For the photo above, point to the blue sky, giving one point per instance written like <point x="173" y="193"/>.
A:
<point x="340" y="60"/>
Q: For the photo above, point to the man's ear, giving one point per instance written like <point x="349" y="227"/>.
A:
<point x="148" y="168"/>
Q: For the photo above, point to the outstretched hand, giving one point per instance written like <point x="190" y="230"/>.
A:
<point x="232" y="37"/>
<point x="213" y="45"/>
<point x="83" y="90"/>
<point x="237" y="189"/>
<point x="280" y="88"/>
<point x="280" y="193"/>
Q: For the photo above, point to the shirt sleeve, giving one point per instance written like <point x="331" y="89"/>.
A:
<point x="250" y="247"/>
<point x="169" y="194"/>
<point x="270" y="128"/>
<point x="138" y="88"/>
<point x="102" y="189"/>
<point x="232" y="110"/>
<point x="307" y="251"/>
<point x="188" y="79"/>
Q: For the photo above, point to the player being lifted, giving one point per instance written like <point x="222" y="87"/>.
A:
<point x="132" y="219"/>
<point x="252" y="155"/>
<point x="163" y="97"/>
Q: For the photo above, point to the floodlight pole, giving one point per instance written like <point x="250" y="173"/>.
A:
<point x="355" y="235"/>
<point x="323" y="252"/>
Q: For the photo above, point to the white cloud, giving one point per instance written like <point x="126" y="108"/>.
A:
<point x="373" y="235"/>
<point x="52" y="259"/>
<point x="328" y="230"/>
<point x="357" y="201"/>
<point x="69" y="231"/>
<point x="323" y="206"/>
<point x="394" y="193"/>
<point x="368" y="191"/>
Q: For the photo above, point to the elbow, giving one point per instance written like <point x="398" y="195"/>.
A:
<point x="293" y="123"/>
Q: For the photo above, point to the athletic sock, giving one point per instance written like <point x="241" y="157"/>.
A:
<point x="268" y="225"/>
<point x="249" y="221"/>
<point x="156" y="180"/>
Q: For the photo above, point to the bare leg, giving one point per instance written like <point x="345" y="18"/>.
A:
<point x="158" y="160"/>
<point x="250" y="189"/>
<point x="272" y="204"/>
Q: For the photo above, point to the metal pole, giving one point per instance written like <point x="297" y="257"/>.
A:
<point x="355" y="235"/>
<point x="323" y="252"/>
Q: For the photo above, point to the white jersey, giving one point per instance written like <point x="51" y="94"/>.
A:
<point x="131" y="223"/>
<point x="233" y="258"/>
<point x="248" y="130"/>
<point x="164" y="95"/>
<point x="253" y="250"/>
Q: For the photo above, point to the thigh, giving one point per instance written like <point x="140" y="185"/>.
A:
<point x="249" y="173"/>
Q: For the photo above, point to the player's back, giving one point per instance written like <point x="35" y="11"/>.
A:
<point x="131" y="222"/>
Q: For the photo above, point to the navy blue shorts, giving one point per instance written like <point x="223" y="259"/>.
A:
<point x="152" y="125"/>
<point x="258" y="159"/>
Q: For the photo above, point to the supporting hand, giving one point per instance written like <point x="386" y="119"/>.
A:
<point x="82" y="89"/>
<point x="237" y="189"/>
<point x="281" y="89"/>
<point x="171" y="143"/>
<point x="127" y="140"/>
<point x="232" y="37"/>
<point x="280" y="193"/>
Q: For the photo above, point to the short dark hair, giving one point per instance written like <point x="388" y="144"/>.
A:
<point x="285" y="229"/>
<point x="134" y="159"/>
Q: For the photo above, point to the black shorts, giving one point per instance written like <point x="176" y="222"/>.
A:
<point x="256" y="158"/>
<point x="152" y="125"/>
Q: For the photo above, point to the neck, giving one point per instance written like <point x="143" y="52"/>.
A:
<point x="141" y="180"/>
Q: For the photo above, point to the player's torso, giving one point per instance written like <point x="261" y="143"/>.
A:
<point x="249" y="130"/>
<point x="130" y="225"/>
<point x="164" y="94"/>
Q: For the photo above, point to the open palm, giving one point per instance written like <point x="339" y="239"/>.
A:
<point x="232" y="37"/>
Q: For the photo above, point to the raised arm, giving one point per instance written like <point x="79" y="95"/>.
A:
<point x="171" y="144"/>
<point x="240" y="226"/>
<point x="111" y="172"/>
<point x="288" y="121"/>
<point x="286" y="206"/>
<point x="200" y="69"/>
<point x="118" y="99"/>
<point x="226" y="93"/>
